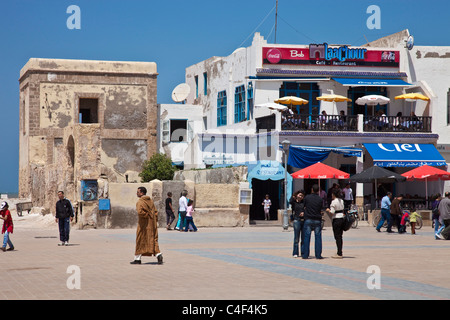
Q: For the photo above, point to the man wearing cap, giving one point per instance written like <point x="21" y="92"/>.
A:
<point x="64" y="215"/>
<point x="5" y="215"/>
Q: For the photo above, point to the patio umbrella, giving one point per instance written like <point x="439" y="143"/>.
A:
<point x="272" y="106"/>
<point x="333" y="98"/>
<point x="377" y="174"/>
<point x="292" y="100"/>
<point x="320" y="171"/>
<point x="372" y="100"/>
<point x="413" y="96"/>
<point x="426" y="173"/>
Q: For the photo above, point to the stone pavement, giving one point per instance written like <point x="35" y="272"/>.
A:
<point x="249" y="263"/>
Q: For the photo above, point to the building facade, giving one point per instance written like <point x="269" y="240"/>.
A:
<point x="84" y="124"/>
<point x="240" y="127"/>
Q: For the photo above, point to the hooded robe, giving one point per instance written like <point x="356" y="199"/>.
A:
<point x="147" y="229"/>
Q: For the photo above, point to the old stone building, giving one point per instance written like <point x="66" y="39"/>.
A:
<point x="83" y="125"/>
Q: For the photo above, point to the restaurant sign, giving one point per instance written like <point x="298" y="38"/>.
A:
<point x="326" y="55"/>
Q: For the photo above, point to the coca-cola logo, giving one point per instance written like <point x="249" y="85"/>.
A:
<point x="273" y="55"/>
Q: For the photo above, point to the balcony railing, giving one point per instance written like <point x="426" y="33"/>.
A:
<point x="320" y="122"/>
<point x="394" y="124"/>
<point x="316" y="122"/>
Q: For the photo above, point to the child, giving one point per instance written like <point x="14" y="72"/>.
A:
<point x="189" y="218"/>
<point x="413" y="220"/>
<point x="5" y="215"/>
<point x="267" y="203"/>
<point x="405" y="218"/>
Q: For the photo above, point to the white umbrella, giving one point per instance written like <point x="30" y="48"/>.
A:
<point x="272" y="105"/>
<point x="373" y="100"/>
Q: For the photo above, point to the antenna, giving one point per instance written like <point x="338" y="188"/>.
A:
<point x="276" y="19"/>
<point x="181" y="92"/>
<point x="409" y="43"/>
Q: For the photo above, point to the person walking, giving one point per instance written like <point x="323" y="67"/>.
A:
<point x="385" y="210"/>
<point x="189" y="218"/>
<point x="435" y="213"/>
<point x="444" y="217"/>
<point x="267" y="203"/>
<point x="63" y="217"/>
<point x="170" y="216"/>
<point x="413" y="220"/>
<point x="313" y="221"/>
<point x="8" y="227"/>
<point x="396" y="214"/>
<point x="298" y="221"/>
<point x="182" y="208"/>
<point x="147" y="229"/>
<point x="337" y="209"/>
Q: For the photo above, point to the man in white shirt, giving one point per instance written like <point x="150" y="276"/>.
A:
<point x="348" y="196"/>
<point x="182" y="208"/>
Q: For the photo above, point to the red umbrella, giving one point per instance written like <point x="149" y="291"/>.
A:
<point x="320" y="171"/>
<point x="426" y="173"/>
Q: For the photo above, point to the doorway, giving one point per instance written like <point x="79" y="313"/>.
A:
<point x="260" y="189"/>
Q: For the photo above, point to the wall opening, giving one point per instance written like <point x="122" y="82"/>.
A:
<point x="88" y="111"/>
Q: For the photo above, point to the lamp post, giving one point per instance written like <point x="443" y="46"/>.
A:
<point x="286" y="144"/>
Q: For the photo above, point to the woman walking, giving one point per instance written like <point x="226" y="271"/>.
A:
<point x="337" y="209"/>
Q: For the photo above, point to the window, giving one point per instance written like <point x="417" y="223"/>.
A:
<point x="306" y="90"/>
<point x="448" y="106"/>
<point x="88" y="110"/>
<point x="250" y="101"/>
<point x="222" y="108"/>
<point x="205" y="83"/>
<point x="239" y="104"/>
<point x="178" y="130"/>
<point x="196" y="86"/>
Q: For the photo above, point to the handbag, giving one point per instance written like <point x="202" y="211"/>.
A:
<point x="348" y="221"/>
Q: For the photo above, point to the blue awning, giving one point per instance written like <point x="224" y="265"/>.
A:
<point x="404" y="155"/>
<point x="359" y="82"/>
<point x="304" y="156"/>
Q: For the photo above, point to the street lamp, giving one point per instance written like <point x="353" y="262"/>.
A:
<point x="286" y="144"/>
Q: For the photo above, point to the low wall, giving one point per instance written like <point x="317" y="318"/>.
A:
<point x="215" y="204"/>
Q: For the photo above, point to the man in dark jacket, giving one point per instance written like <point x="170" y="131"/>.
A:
<point x="64" y="215"/>
<point x="396" y="214"/>
<point x="313" y="221"/>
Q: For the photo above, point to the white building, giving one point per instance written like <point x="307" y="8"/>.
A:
<point x="238" y="128"/>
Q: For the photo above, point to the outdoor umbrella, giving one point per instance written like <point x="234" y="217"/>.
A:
<point x="426" y="173"/>
<point x="377" y="174"/>
<point x="320" y="171"/>
<point x="333" y="98"/>
<point x="272" y="106"/>
<point x="372" y="100"/>
<point x="291" y="100"/>
<point x="413" y="96"/>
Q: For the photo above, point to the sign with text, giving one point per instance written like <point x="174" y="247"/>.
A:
<point x="326" y="55"/>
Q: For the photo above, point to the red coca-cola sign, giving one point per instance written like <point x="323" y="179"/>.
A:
<point x="273" y="55"/>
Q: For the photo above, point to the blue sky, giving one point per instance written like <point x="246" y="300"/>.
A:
<point x="176" y="34"/>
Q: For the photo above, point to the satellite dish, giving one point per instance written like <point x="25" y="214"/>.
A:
<point x="410" y="42"/>
<point x="181" y="92"/>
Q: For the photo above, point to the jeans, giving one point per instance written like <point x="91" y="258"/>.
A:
<point x="299" y="235"/>
<point x="385" y="216"/>
<point x="310" y="225"/>
<point x="169" y="217"/>
<point x="190" y="221"/>
<point x="7" y="241"/>
<point x="181" y="220"/>
<point x="64" y="229"/>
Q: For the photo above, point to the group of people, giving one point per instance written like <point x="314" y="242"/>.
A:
<point x="307" y="217"/>
<point x="441" y="216"/>
<point x="392" y="212"/>
<point x="185" y="220"/>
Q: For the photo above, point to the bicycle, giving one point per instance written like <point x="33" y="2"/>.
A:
<point x="354" y="214"/>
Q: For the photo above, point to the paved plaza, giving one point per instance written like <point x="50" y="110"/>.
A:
<point x="249" y="263"/>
